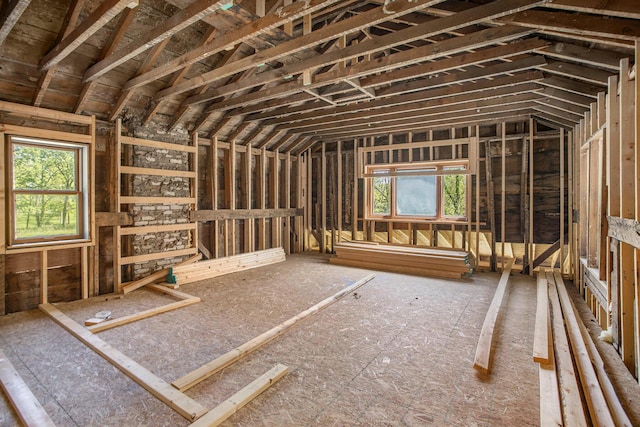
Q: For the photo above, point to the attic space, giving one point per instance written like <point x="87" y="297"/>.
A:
<point x="320" y="212"/>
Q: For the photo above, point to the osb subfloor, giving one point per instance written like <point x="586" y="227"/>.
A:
<point x="398" y="351"/>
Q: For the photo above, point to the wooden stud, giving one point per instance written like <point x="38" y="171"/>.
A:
<point x="562" y="229"/>
<point x="503" y="202"/>
<point x="627" y="210"/>
<point x="531" y="152"/>
<point x="323" y="200"/>
<point x="339" y="192"/>
<point x="637" y="207"/>
<point x="274" y="192"/>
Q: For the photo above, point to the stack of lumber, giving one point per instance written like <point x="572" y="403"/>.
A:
<point x="221" y="266"/>
<point x="417" y="260"/>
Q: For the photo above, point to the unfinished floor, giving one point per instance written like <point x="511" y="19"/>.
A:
<point x="398" y="351"/>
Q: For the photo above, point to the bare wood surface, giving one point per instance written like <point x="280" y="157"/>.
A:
<point x="216" y="365"/>
<point x="153" y="277"/>
<point x="220" y="413"/>
<point x="30" y="411"/>
<point x="181" y="403"/>
<point x="482" y="360"/>
<point x="541" y="340"/>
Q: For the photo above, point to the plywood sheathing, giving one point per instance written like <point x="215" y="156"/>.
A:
<point x="398" y="351"/>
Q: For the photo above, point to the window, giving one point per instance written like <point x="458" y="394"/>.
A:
<point x="47" y="183"/>
<point x="434" y="192"/>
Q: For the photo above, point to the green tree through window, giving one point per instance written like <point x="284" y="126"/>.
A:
<point x="454" y="194"/>
<point x="47" y="196"/>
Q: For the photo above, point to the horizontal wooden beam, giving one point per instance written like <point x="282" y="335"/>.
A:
<point x="625" y="230"/>
<point x="11" y="12"/>
<point x="112" y="219"/>
<point x="219" y="214"/>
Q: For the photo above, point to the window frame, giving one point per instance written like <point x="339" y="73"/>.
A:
<point x="80" y="191"/>
<point x="435" y="168"/>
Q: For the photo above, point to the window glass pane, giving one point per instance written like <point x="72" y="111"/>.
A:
<point x="38" y="168"/>
<point x="381" y="195"/>
<point x="46" y="215"/>
<point x="454" y="190"/>
<point x="417" y="195"/>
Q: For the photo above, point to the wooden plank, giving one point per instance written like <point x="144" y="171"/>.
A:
<point x="127" y="231"/>
<point x="156" y="172"/>
<point x="226" y="265"/>
<point x="164" y="30"/>
<point x="411" y="269"/>
<point x="573" y="412"/>
<point x="220" y="413"/>
<point x="46" y="134"/>
<point x="181" y="403"/>
<point x="541" y="339"/>
<point x="44" y="113"/>
<point x="151" y="199"/>
<point x="154" y="277"/>
<point x="482" y="360"/>
<point x="598" y="409"/>
<point x="158" y="144"/>
<point x="111" y="219"/>
<point x="550" y="404"/>
<point x="11" y="12"/>
<point x="157" y="255"/>
<point x="104" y="13"/>
<point x="29" y="410"/>
<point x="236" y="354"/>
<point x="114" y="323"/>
<point x="218" y="214"/>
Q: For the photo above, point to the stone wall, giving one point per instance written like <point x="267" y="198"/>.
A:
<point x="159" y="214"/>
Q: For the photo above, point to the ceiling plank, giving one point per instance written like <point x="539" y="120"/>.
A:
<point x="580" y="72"/>
<point x="561" y="95"/>
<point x="578" y="23"/>
<point x="9" y="15"/>
<point x="163" y="31"/>
<point x="431" y="51"/>
<point x="231" y="38"/>
<point x="466" y="18"/>
<point x="305" y="41"/>
<point x="584" y="55"/>
<point x="115" y="38"/>
<point x="621" y="8"/>
<point x="572" y="86"/>
<point x="98" y="19"/>
<point x="396" y="112"/>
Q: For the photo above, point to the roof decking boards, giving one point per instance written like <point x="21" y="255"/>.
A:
<point x="208" y="68"/>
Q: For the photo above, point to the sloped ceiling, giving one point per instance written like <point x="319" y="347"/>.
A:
<point x="287" y="75"/>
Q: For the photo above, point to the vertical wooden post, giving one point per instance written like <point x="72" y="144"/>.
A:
<point x="339" y="193"/>
<point x="193" y="165"/>
<point x="3" y="224"/>
<point x="249" y="237"/>
<point x="117" y="238"/>
<point x="503" y="205"/>
<point x="571" y="248"/>
<point x="637" y="205"/>
<point x="561" y="201"/>
<point x="288" y="26"/>
<point x="323" y="200"/>
<point x="213" y="177"/>
<point x="287" y="187"/>
<point x="490" y="206"/>
<point x="44" y="285"/>
<point x="232" y="196"/>
<point x="301" y="177"/>
<point x="84" y="271"/>
<point x="531" y="242"/>
<point x="275" y="199"/>
<point x="309" y="187"/>
<point x="262" y="237"/>
<point x="477" y="150"/>
<point x="354" y="204"/>
<point x="613" y="192"/>
<point x="627" y="210"/>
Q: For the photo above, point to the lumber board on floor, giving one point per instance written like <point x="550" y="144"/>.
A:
<point x="417" y="260"/>
<point x="596" y="402"/>
<point x="220" y="413"/>
<point x="572" y="410"/>
<point x="202" y="373"/>
<point x="482" y="360"/>
<point x="541" y="341"/>
<point x="29" y="410"/>
<point x="180" y="402"/>
<point x="114" y="323"/>
<point x="231" y="264"/>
